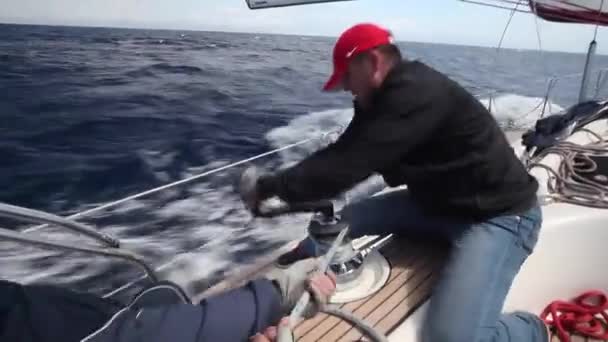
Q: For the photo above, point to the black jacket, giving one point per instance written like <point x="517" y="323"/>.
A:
<point x="424" y="130"/>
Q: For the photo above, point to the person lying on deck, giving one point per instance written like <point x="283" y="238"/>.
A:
<point x="44" y="313"/>
<point x="417" y="127"/>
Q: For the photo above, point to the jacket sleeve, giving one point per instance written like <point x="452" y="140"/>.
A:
<point x="233" y="316"/>
<point x="240" y="314"/>
<point x="364" y="148"/>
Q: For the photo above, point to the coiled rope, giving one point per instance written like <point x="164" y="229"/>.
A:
<point x="569" y="183"/>
<point x="586" y="315"/>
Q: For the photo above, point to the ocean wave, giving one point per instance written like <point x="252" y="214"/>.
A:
<point x="297" y="50"/>
<point x="518" y="112"/>
<point x="165" y="68"/>
<point x="103" y="40"/>
<point x="157" y="41"/>
<point x="12" y="58"/>
<point x="282" y="71"/>
<point x="216" y="45"/>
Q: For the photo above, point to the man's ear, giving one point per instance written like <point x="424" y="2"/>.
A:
<point x="376" y="60"/>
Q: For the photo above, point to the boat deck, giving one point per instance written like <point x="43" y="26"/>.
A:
<point x="414" y="270"/>
<point x="415" y="266"/>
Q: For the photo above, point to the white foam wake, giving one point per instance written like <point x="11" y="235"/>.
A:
<point x="517" y="112"/>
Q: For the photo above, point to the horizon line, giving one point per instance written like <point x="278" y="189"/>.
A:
<point x="123" y="27"/>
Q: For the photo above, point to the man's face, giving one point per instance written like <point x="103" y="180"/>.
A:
<point x="363" y="76"/>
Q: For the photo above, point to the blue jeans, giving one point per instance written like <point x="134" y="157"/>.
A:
<point x="466" y="305"/>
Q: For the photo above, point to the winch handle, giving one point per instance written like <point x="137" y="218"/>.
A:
<point x="324" y="207"/>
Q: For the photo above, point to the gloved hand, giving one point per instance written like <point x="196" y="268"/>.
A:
<point x="303" y="276"/>
<point x="248" y="188"/>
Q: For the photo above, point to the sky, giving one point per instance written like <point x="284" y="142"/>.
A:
<point x="436" y="21"/>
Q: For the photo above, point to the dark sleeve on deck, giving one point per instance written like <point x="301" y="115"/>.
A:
<point x="233" y="316"/>
<point x="240" y="314"/>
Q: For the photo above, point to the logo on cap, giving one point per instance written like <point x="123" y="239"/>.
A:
<point x="350" y="53"/>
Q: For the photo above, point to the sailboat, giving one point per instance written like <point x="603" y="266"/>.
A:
<point x="385" y="281"/>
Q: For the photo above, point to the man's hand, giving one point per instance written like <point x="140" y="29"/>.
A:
<point x="248" y="188"/>
<point x="270" y="334"/>
<point x="321" y="285"/>
<point x="300" y="277"/>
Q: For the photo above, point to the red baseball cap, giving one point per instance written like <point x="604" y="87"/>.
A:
<point x="353" y="41"/>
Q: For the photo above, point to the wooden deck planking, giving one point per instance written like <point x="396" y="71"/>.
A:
<point x="307" y="325"/>
<point x="403" y="302"/>
<point x="414" y="267"/>
<point x="391" y="319"/>
<point x="384" y="297"/>
<point x="323" y="323"/>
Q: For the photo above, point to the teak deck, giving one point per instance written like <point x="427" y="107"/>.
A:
<point x="414" y="269"/>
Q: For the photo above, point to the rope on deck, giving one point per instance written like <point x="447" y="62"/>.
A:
<point x="586" y="315"/>
<point x="568" y="184"/>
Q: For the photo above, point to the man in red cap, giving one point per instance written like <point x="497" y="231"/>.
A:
<point x="417" y="127"/>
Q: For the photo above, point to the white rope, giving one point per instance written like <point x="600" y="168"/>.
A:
<point x="183" y="181"/>
<point x="567" y="183"/>
<point x="361" y="325"/>
<point x="487" y="4"/>
<point x="495" y="62"/>
<point x="599" y="15"/>
<point x="504" y="32"/>
<point x="175" y="258"/>
<point x="539" y="39"/>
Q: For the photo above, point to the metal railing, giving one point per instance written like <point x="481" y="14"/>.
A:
<point x="110" y="246"/>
